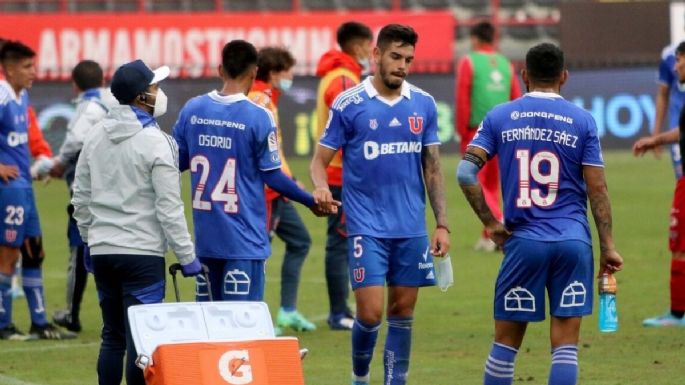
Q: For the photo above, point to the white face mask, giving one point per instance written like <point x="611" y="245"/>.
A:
<point x="366" y="65"/>
<point x="160" y="106"/>
<point x="285" y="84"/>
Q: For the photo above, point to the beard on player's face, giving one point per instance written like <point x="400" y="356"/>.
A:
<point x="389" y="81"/>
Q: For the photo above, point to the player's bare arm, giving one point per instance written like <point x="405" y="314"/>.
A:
<point x="647" y="143"/>
<point x="474" y="194"/>
<point x="435" y="185"/>
<point x="598" y="193"/>
<point x="662" y="99"/>
<point x="317" y="170"/>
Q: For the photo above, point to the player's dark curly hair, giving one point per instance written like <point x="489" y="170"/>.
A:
<point x="273" y="59"/>
<point x="14" y="50"/>
<point x="396" y="33"/>
<point x="545" y="63"/>
<point x="87" y="74"/>
<point x="484" y="31"/>
<point x="350" y="31"/>
<point x="237" y="57"/>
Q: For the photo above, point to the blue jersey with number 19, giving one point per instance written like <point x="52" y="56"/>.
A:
<point x="383" y="188"/>
<point x="543" y="142"/>
<point x="226" y="141"/>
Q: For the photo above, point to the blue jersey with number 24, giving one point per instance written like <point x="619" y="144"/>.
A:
<point x="226" y="142"/>
<point x="543" y="142"/>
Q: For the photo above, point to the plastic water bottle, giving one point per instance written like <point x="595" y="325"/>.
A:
<point x="444" y="275"/>
<point x="608" y="315"/>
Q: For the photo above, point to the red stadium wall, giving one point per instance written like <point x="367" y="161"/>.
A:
<point x="191" y="43"/>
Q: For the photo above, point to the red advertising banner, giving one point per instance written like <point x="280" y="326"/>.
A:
<point x="191" y="43"/>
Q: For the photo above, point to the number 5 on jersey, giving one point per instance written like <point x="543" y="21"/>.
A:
<point x="530" y="168"/>
<point x="224" y="191"/>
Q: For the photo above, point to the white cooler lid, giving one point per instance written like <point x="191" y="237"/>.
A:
<point x="166" y="323"/>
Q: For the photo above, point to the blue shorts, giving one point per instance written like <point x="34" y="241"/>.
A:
<point x="19" y="216"/>
<point x="399" y="261"/>
<point x="529" y="267"/>
<point x="232" y="280"/>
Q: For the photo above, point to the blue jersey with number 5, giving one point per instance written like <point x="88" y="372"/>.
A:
<point x="226" y="142"/>
<point x="543" y="142"/>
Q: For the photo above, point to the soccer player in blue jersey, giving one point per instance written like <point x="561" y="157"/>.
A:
<point x="670" y="98"/>
<point x="671" y="95"/>
<point x="230" y="145"/>
<point x="20" y="228"/>
<point x="675" y="316"/>
<point x="387" y="130"/>
<point x="551" y="163"/>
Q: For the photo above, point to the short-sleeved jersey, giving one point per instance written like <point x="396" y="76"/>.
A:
<point x="226" y="141"/>
<point x="543" y="142"/>
<point x="14" y="137"/>
<point x="668" y="77"/>
<point x="383" y="186"/>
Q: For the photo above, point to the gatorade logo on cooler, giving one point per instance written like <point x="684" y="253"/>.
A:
<point x="235" y="368"/>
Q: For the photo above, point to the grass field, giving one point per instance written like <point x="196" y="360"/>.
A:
<point x="452" y="331"/>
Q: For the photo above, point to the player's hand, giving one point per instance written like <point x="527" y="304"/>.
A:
<point x="318" y="210"/>
<point x="57" y="170"/>
<point x="643" y="145"/>
<point x="498" y="233"/>
<point x="440" y="244"/>
<point x="8" y="172"/>
<point x="191" y="269"/>
<point x="322" y="210"/>
<point x="657" y="152"/>
<point x="322" y="195"/>
<point x="610" y="261"/>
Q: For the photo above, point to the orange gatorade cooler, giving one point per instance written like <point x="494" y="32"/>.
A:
<point x="212" y="343"/>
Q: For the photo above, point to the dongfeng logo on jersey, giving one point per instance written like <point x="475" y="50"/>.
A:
<point x="215" y="122"/>
<point x="515" y="115"/>
<point x="416" y="124"/>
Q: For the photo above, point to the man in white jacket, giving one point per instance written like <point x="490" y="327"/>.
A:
<point x="127" y="203"/>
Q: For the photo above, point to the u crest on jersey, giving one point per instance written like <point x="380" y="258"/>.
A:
<point x="416" y="124"/>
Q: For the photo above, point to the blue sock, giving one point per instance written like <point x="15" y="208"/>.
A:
<point x="564" y="370"/>
<point x="363" y="342"/>
<point x="397" y="350"/>
<point x="32" y="280"/>
<point x="499" y="368"/>
<point x="5" y="300"/>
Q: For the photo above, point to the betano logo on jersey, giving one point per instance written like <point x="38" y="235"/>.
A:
<point x="373" y="150"/>
<point x="15" y="139"/>
<point x="216" y="122"/>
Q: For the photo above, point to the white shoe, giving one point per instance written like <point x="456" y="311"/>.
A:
<point x="485" y="244"/>
<point x="363" y="380"/>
